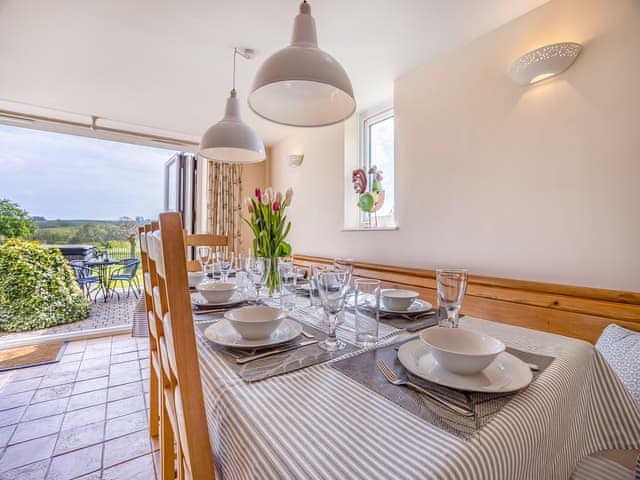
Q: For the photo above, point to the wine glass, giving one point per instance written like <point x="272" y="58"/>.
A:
<point x="452" y="285"/>
<point x="332" y="286"/>
<point x="204" y="256"/>
<point x="225" y="260"/>
<point x="258" y="268"/>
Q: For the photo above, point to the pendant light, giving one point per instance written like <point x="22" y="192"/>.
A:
<point x="301" y="85"/>
<point x="231" y="140"/>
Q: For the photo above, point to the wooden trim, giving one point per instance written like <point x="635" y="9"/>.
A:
<point x="580" y="312"/>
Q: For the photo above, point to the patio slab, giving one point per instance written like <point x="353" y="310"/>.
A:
<point x="112" y="313"/>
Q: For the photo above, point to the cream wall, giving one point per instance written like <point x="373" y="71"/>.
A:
<point x="538" y="183"/>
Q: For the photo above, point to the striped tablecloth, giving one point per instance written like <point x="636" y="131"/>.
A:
<point x="317" y="423"/>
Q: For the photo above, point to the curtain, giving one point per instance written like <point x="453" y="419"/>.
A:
<point x="225" y="200"/>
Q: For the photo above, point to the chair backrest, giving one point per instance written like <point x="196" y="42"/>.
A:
<point x="80" y="270"/>
<point x="173" y="301"/>
<point x="130" y="266"/>
<point x="204" y="240"/>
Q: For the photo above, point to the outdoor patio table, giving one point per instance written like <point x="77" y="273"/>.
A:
<point x="318" y="423"/>
<point x="102" y="269"/>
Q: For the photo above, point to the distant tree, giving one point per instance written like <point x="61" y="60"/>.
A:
<point x="14" y="221"/>
<point x="128" y="232"/>
<point x="38" y="219"/>
<point x="95" y="233"/>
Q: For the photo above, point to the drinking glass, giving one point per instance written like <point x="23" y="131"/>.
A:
<point x="287" y="288"/>
<point x="204" y="256"/>
<point x="239" y="262"/>
<point x="344" y="263"/>
<point x="242" y="282"/>
<point x="332" y="286"/>
<point x="367" y="311"/>
<point x="258" y="273"/>
<point x="452" y="285"/>
<point x="225" y="260"/>
<point x="314" y="296"/>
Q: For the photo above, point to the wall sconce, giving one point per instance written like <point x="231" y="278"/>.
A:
<point x="295" y="160"/>
<point x="544" y="62"/>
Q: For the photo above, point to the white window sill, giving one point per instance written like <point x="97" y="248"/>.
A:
<point x="363" y="228"/>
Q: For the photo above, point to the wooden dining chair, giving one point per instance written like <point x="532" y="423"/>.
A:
<point x="204" y="240"/>
<point x="154" y="359"/>
<point x="185" y="448"/>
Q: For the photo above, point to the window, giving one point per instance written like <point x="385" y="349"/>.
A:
<point x="377" y="159"/>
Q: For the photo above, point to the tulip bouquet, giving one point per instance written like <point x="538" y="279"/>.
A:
<point x="270" y="227"/>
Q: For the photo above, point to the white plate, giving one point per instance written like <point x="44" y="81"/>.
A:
<point x="237" y="297"/>
<point x="224" y="334"/>
<point x="418" y="306"/>
<point x="505" y="374"/>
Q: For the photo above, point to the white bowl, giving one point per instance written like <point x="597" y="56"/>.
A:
<point x="397" y="299"/>
<point x="256" y="321"/>
<point x="195" y="278"/>
<point x="216" y="292"/>
<point x="462" y="351"/>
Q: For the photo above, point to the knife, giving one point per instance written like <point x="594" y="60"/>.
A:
<point x="244" y="360"/>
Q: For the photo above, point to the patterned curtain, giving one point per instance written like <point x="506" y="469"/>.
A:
<point x="225" y="200"/>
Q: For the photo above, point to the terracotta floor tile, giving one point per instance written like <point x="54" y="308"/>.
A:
<point x="5" y="434"/>
<point x="137" y="469"/>
<point x="52" y="393"/>
<point x="37" y="428"/>
<point x="27" y="452"/>
<point x="18" y="386"/>
<point x="90" y="373"/>
<point x="88" y="385"/>
<point x="124" y="406"/>
<point x="84" y="416"/>
<point x="58" y="379"/>
<point x="79" y="437"/>
<point x="127" y="424"/>
<point x="15" y="400"/>
<point x="45" y="409"/>
<point x="124" y="391"/>
<point x="73" y="464"/>
<point x="125" y="448"/>
<point x="33" y="471"/>
<point x="87" y="399"/>
<point x="11" y="417"/>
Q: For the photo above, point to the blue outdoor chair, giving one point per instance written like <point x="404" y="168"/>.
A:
<point x="87" y="280"/>
<point x="127" y="273"/>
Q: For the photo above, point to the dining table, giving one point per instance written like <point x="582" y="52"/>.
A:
<point x="101" y="266"/>
<point x="320" y="422"/>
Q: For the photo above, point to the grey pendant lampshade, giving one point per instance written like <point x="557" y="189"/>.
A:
<point x="231" y="140"/>
<point x="302" y="85"/>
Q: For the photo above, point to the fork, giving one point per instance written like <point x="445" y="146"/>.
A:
<point x="393" y="378"/>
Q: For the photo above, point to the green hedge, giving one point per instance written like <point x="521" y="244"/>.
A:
<point x="37" y="288"/>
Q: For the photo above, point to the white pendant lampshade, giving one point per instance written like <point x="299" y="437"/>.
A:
<point x="544" y="62"/>
<point x="302" y="85"/>
<point x="231" y="140"/>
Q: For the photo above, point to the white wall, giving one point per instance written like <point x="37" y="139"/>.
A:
<point x="538" y="183"/>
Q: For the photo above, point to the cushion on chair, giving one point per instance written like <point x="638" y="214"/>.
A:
<point x="621" y="348"/>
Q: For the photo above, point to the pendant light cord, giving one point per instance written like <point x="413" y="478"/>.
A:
<point x="235" y="53"/>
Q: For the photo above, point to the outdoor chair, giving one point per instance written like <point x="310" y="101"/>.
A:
<point x="89" y="282"/>
<point x="127" y="273"/>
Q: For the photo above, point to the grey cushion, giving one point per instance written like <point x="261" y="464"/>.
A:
<point x="621" y="348"/>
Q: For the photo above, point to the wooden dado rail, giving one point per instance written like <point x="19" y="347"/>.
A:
<point x="578" y="312"/>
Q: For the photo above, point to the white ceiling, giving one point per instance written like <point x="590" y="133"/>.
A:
<point x="167" y="64"/>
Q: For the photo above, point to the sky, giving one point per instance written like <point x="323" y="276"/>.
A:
<point x="59" y="176"/>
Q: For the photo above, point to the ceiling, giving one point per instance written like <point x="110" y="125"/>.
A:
<point x="167" y="64"/>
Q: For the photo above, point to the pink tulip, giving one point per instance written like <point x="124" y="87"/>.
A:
<point x="276" y="206"/>
<point x="259" y="194"/>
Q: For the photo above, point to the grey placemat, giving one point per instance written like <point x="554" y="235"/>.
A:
<point x="279" y="364"/>
<point x="414" y="322"/>
<point x="362" y="368"/>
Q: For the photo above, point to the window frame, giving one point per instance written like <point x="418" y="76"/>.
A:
<point x="368" y="119"/>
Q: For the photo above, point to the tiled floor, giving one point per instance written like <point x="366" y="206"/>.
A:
<point x="85" y="417"/>
<point x="103" y="314"/>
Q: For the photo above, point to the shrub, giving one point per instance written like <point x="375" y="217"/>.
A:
<point x="37" y="288"/>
